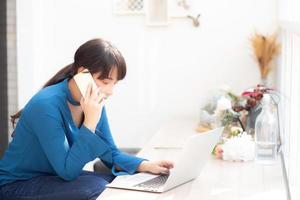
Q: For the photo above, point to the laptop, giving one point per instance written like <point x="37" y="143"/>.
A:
<point x="194" y="156"/>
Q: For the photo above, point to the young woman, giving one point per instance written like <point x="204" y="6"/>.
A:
<point x="59" y="131"/>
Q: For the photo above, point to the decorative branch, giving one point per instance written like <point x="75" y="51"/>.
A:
<point x="195" y="20"/>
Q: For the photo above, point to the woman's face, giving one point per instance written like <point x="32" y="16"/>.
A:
<point x="107" y="85"/>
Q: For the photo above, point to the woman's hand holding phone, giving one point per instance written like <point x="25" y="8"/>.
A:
<point x="92" y="104"/>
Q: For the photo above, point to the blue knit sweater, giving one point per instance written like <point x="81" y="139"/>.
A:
<point x="47" y="141"/>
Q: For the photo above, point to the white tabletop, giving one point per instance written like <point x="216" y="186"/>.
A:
<point x="219" y="180"/>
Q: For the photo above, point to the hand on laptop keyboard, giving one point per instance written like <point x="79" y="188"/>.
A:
<point x="156" y="167"/>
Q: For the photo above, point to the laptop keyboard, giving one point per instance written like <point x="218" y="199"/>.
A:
<point x="154" y="183"/>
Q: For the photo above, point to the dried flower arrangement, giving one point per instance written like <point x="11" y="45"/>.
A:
<point x="266" y="48"/>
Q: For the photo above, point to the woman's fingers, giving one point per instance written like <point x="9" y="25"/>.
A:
<point x="88" y="91"/>
<point x="163" y="170"/>
<point x="101" y="100"/>
<point x="99" y="96"/>
<point x="95" y="93"/>
<point x="163" y="167"/>
<point x="166" y="163"/>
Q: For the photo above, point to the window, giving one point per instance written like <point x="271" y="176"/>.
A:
<point x="289" y="86"/>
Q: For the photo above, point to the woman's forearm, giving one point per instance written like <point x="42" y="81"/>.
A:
<point x="143" y="167"/>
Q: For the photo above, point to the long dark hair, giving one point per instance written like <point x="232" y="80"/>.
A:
<point x="96" y="55"/>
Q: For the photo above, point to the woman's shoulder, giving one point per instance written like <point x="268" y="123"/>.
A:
<point x="49" y="97"/>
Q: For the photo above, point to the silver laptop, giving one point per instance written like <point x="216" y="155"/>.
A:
<point x="195" y="154"/>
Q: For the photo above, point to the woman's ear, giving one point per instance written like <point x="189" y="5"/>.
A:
<point x="80" y="69"/>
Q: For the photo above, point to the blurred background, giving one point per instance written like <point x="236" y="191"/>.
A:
<point x="171" y="68"/>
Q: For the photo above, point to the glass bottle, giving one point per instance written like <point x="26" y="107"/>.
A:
<point x="266" y="133"/>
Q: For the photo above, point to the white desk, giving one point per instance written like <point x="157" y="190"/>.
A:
<point x="219" y="180"/>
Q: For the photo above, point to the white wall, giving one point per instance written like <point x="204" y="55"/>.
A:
<point x="171" y="70"/>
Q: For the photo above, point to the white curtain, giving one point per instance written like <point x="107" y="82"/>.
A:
<point x="289" y="86"/>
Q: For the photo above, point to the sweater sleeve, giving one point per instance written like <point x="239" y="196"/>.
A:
<point x="67" y="161"/>
<point x="127" y="163"/>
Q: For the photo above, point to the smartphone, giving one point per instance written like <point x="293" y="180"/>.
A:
<point x="83" y="79"/>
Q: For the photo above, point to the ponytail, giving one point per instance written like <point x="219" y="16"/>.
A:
<point x="97" y="55"/>
<point x="67" y="72"/>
